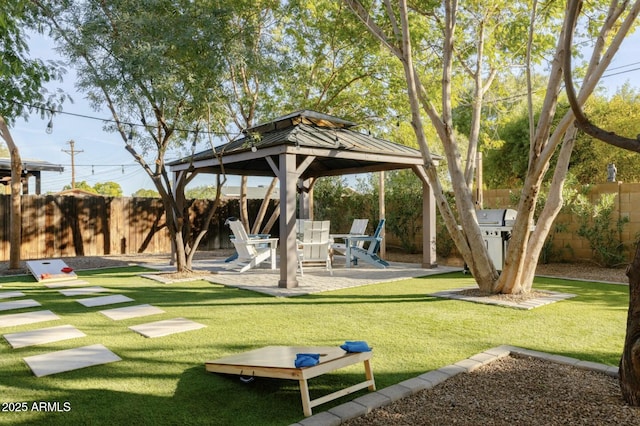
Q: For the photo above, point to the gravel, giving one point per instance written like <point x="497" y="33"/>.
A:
<point x="513" y="391"/>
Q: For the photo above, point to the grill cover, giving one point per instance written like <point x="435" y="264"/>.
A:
<point x="496" y="217"/>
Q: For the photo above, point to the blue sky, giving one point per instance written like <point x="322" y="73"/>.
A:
<point x="103" y="157"/>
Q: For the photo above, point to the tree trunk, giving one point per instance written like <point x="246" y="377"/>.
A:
<point x="630" y="362"/>
<point x="15" y="234"/>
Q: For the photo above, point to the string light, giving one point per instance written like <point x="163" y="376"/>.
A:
<point x="49" y="128"/>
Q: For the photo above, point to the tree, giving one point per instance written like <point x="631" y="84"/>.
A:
<point x="160" y="85"/>
<point x="83" y="185"/>
<point x="21" y="89"/>
<point x="506" y="165"/>
<point x="4" y="151"/>
<point x="146" y="193"/>
<point x="478" y="40"/>
<point x="108" y="189"/>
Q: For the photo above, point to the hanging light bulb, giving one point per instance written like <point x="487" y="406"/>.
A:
<point x="49" y="128"/>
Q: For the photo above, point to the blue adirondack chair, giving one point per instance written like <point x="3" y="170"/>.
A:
<point x="367" y="253"/>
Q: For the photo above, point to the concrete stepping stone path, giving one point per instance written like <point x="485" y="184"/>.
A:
<point x="11" y="294"/>
<point x="42" y="336"/>
<point x="70" y="283"/>
<point x="128" y="312"/>
<point x="166" y="327"/>
<point x="104" y="300"/>
<point x="83" y="291"/>
<point x="18" y="304"/>
<point x="12" y="320"/>
<point x="70" y="359"/>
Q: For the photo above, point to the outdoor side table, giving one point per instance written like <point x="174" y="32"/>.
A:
<point x="277" y="362"/>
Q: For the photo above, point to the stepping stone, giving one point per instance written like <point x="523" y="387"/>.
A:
<point x="50" y="270"/>
<point x="70" y="359"/>
<point x="104" y="300"/>
<point x="118" y="314"/>
<point x="10" y="294"/>
<point x="42" y="336"/>
<point x="18" y="304"/>
<point x="83" y="290"/>
<point x="71" y="283"/>
<point x="27" y="318"/>
<point x="166" y="327"/>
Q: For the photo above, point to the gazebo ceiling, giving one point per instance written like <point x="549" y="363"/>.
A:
<point x="333" y="143"/>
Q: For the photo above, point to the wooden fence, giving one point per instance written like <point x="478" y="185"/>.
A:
<point x="61" y="226"/>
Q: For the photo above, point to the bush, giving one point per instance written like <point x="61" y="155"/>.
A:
<point x="600" y="229"/>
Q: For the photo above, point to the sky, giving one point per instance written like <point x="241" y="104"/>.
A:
<point x="100" y="156"/>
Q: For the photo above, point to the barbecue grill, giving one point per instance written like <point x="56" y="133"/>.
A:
<point x="496" y="226"/>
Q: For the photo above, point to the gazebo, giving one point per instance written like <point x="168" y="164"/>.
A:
<point x="299" y="148"/>
<point x="29" y="168"/>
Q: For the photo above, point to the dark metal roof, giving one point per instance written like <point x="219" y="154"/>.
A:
<point x="337" y="148"/>
<point x="32" y="165"/>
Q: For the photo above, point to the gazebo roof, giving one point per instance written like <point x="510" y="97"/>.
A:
<point x="337" y="147"/>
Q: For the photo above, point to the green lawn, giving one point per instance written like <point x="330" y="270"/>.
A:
<point x="163" y="381"/>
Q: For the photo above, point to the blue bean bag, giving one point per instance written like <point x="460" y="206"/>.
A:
<point x="356" y="346"/>
<point x="307" y="360"/>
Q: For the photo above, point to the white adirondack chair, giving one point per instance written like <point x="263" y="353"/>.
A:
<point x="369" y="254"/>
<point x="358" y="228"/>
<point x="251" y="251"/>
<point x="315" y="246"/>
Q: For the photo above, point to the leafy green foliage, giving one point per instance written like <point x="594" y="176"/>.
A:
<point x="21" y="77"/>
<point x="601" y="229"/>
<point x="403" y="196"/>
<point x="204" y="192"/>
<point x="108" y="189"/>
<point x="146" y="193"/>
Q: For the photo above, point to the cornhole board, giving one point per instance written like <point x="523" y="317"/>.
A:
<point x="50" y="270"/>
<point x="277" y="362"/>
<point x="70" y="359"/>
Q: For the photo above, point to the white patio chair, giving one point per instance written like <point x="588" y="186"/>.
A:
<point x="370" y="253"/>
<point x="315" y="246"/>
<point x="251" y="251"/>
<point x="358" y="228"/>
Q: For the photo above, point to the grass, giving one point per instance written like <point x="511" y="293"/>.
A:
<point x="163" y="381"/>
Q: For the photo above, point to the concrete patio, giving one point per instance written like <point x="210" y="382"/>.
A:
<point x="315" y="280"/>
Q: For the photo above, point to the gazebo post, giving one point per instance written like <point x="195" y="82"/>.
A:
<point x="288" y="177"/>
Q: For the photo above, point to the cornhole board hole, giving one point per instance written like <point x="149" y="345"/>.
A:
<point x="11" y="320"/>
<point x="70" y="359"/>
<point x="277" y="362"/>
<point x="42" y="336"/>
<point x="128" y="312"/>
<point x="166" y="327"/>
<point x="50" y="270"/>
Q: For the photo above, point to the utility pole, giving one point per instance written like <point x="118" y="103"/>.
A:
<point x="72" y="152"/>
